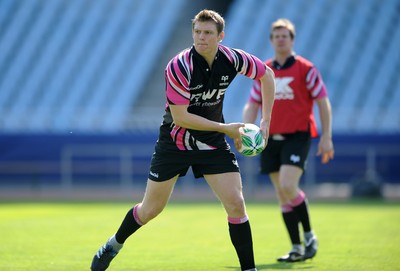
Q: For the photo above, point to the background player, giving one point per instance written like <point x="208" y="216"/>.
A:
<point x="193" y="135"/>
<point x="298" y="85"/>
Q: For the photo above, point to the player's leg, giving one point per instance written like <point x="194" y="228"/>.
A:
<point x="270" y="162"/>
<point x="228" y="188"/>
<point x="155" y="199"/>
<point x="298" y="202"/>
<point x="286" y="189"/>
<point x="294" y="158"/>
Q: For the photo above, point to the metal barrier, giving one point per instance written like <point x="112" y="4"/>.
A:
<point x="125" y="165"/>
<point x="365" y="163"/>
<point x="122" y="153"/>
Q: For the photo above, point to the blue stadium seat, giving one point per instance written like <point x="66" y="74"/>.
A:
<point x="78" y="65"/>
<point x="351" y="42"/>
<point x="81" y="65"/>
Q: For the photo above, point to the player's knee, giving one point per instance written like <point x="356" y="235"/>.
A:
<point x="236" y="207"/>
<point x="148" y="214"/>
<point x="287" y="189"/>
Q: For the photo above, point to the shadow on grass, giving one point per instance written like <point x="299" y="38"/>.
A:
<point x="280" y="266"/>
<point x="284" y="266"/>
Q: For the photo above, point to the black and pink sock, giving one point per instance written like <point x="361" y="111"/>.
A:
<point x="240" y="233"/>
<point x="129" y="225"/>
<point x="291" y="222"/>
<point x="300" y="206"/>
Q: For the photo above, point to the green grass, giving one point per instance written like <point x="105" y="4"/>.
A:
<point x="194" y="236"/>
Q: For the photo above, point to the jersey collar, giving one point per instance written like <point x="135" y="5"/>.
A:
<point x="288" y="63"/>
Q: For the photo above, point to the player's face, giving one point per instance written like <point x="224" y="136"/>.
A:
<point x="206" y="38"/>
<point x="281" y="41"/>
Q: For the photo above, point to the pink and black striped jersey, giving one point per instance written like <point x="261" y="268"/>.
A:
<point x="298" y="84"/>
<point x="190" y="81"/>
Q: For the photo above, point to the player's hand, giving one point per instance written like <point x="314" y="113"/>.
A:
<point x="232" y="130"/>
<point x="325" y="149"/>
<point x="264" y="127"/>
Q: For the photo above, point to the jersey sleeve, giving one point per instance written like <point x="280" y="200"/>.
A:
<point x="255" y="92"/>
<point x="315" y="84"/>
<point x="177" y="78"/>
<point x="245" y="63"/>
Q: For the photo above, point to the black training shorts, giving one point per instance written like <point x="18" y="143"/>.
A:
<point x="286" y="149"/>
<point x="167" y="164"/>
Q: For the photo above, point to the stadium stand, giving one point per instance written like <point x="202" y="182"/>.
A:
<point x="80" y="84"/>
<point x="83" y="65"/>
<point x="353" y="43"/>
<point x="78" y="65"/>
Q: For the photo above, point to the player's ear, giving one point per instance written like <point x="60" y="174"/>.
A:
<point x="221" y="36"/>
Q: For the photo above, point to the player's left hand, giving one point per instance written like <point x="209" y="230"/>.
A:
<point x="325" y="149"/>
<point x="264" y="127"/>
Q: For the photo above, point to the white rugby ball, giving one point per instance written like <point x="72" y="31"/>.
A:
<point x="253" y="142"/>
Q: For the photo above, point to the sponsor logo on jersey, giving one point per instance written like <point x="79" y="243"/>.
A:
<point x="283" y="91"/>
<point x="225" y="80"/>
<point x="197" y="87"/>
<point x="215" y="94"/>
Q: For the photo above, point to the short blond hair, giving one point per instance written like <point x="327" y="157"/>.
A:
<point x="283" y="23"/>
<point x="210" y="15"/>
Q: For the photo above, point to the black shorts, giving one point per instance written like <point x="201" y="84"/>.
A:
<point x="167" y="164"/>
<point x="286" y="149"/>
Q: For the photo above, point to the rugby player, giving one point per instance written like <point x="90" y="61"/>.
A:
<point x="298" y="85"/>
<point x="193" y="133"/>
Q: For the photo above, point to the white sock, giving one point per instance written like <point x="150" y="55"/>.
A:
<point x="308" y="235"/>
<point x="298" y="248"/>
<point x="113" y="242"/>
